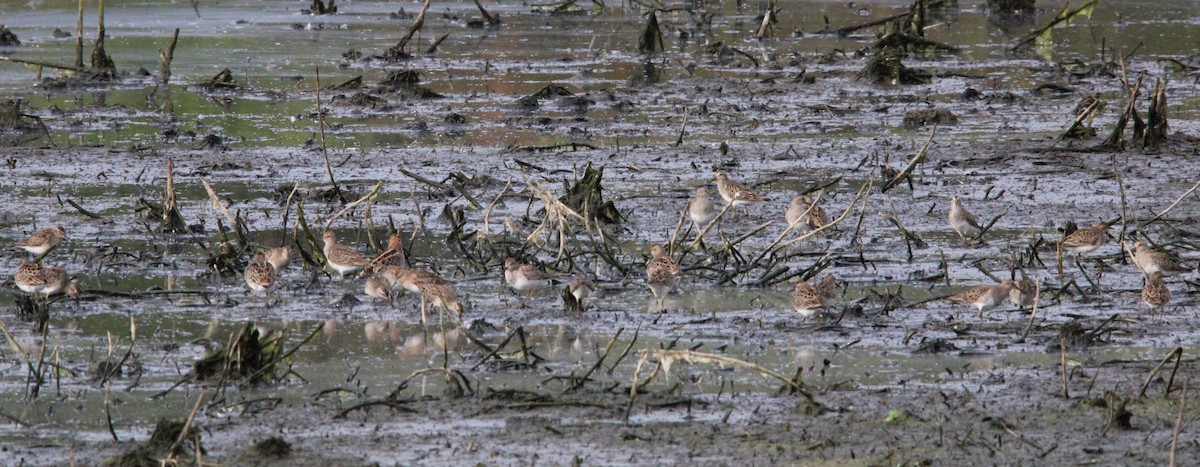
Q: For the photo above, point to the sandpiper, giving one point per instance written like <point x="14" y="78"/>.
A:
<point x="735" y="193"/>
<point x="799" y="211"/>
<point x="1084" y="241"/>
<point x="1022" y="293"/>
<point x="29" y="277"/>
<point x="581" y="288"/>
<point x="661" y="272"/>
<point x="393" y="255"/>
<point x="984" y="296"/>
<point x="339" y="257"/>
<point x="406" y="278"/>
<point x="279" y="258"/>
<point x="260" y="276"/>
<point x="806" y="299"/>
<point x="43" y="240"/>
<point x="1150" y="261"/>
<point x="378" y="288"/>
<point x="523" y="277"/>
<point x="961" y="220"/>
<point x="57" y="281"/>
<point x="702" y="210"/>
<point x="439" y="294"/>
<point x="1155" y="292"/>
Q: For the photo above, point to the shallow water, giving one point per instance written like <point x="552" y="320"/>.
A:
<point x="108" y="145"/>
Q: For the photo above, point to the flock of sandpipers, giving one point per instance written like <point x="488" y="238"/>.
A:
<point x="385" y="275"/>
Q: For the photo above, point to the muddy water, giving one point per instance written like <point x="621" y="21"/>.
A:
<point x="107" y="148"/>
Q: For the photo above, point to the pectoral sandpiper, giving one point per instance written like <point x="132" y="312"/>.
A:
<point x="43" y="240"/>
<point x="984" y="296"/>
<point x="661" y="272"/>
<point x="341" y="258"/>
<point x="961" y="220"/>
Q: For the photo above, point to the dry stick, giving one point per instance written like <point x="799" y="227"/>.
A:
<point x="287" y="208"/>
<point x="600" y="361"/>
<point x="321" y="125"/>
<point x="979" y="235"/>
<point x="487" y="216"/>
<point x="683" y="127"/>
<point x="912" y="164"/>
<point x="164" y="74"/>
<point x="417" y="23"/>
<point x="84" y="211"/>
<point x="108" y="413"/>
<point x="616" y="362"/>
<point x="1062" y="346"/>
<point x="187" y="425"/>
<point x="1037" y="290"/>
<point x="45" y="64"/>
<point x="1124" y="203"/>
<point x="79" y="39"/>
<point x="675" y="233"/>
<point x="1172" y="206"/>
<point x="1063" y="16"/>
<point x="216" y="202"/>
<point x="1177" y="354"/>
<point x="367" y="197"/>
<point x="1178" y="424"/>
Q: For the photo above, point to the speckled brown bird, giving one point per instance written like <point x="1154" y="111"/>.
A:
<point x="701" y="209"/>
<point x="341" y="258"/>
<point x="279" y="258"/>
<point x="393" y="255"/>
<point x="1151" y="261"/>
<point x="1086" y="240"/>
<point x="407" y="278"/>
<point x="1022" y="293"/>
<point x="57" y="281"/>
<point x="581" y="288"/>
<point x="984" y="296"/>
<point x="440" y="295"/>
<point x="735" y="193"/>
<point x="661" y="272"/>
<point x="260" y="277"/>
<point x="523" y="277"/>
<point x="961" y="220"/>
<point x="43" y="240"/>
<point x="378" y="288"/>
<point x="29" y="277"/>
<point x="799" y="211"/>
<point x="806" y="299"/>
<point x="1155" y="293"/>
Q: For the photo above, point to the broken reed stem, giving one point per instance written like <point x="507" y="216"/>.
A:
<point x="1124" y="202"/>
<point x="1062" y="347"/>
<point x="1037" y="290"/>
<point x="321" y="126"/>
<point x="164" y="72"/>
<point x="1178" y="424"/>
<point x="79" y="39"/>
<point x="1172" y="206"/>
<point x="675" y="234"/>
<point x="683" y="127"/>
<point x="287" y="208"/>
<point x="487" y="216"/>
<point x="187" y="425"/>
<point x="216" y="202"/>
<point x="636" y="331"/>
<point x="978" y="237"/>
<point x="912" y="163"/>
<point x="108" y="412"/>
<point x="367" y="197"/>
<point x="579" y="382"/>
<point x="1176" y="354"/>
